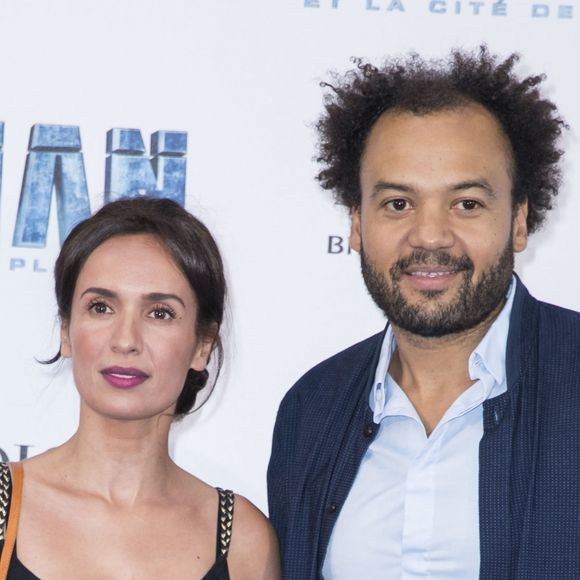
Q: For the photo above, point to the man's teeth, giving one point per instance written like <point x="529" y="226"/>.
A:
<point x="430" y="274"/>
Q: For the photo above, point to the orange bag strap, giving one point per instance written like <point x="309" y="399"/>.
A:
<point x="14" y="514"/>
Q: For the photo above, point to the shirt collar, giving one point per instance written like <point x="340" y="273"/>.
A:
<point x="486" y="361"/>
<point x="489" y="354"/>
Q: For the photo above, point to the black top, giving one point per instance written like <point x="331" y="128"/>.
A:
<point x="219" y="570"/>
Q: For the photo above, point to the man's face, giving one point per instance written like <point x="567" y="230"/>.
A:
<point x="436" y="229"/>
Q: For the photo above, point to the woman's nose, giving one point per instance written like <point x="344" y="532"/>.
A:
<point x="126" y="337"/>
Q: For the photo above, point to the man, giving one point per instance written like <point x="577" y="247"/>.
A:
<point x="448" y="446"/>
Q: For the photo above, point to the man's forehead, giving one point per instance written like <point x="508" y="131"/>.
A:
<point x="457" y="114"/>
<point x="406" y="133"/>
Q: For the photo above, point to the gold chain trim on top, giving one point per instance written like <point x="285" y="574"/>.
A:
<point x="226" y="519"/>
<point x="4" y="497"/>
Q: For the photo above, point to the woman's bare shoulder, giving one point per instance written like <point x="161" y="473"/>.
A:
<point x="254" y="552"/>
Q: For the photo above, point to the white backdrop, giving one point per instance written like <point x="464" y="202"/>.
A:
<point x="241" y="78"/>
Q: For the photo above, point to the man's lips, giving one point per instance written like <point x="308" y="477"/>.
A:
<point x="124" y="377"/>
<point x="429" y="269"/>
<point x="430" y="277"/>
<point x="428" y="273"/>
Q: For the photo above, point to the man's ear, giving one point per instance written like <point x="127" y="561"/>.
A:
<point x="65" y="348"/>
<point x="204" y="348"/>
<point x="355" y="235"/>
<point x="520" y="227"/>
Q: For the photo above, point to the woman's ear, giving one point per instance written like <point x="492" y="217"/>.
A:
<point x="204" y="348"/>
<point x="65" y="348"/>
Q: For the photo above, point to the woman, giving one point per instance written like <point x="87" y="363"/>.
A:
<point x="140" y="290"/>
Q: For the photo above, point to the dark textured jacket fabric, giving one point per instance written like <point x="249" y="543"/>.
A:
<point x="529" y="455"/>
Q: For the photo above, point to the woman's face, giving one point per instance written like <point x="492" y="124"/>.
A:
<point x="131" y="334"/>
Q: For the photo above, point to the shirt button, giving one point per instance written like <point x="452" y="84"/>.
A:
<point x="368" y="430"/>
<point x="331" y="508"/>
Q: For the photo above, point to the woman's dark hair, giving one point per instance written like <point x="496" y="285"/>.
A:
<point x="357" y="99"/>
<point x="188" y="241"/>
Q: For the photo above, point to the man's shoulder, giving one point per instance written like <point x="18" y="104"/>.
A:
<point x="545" y="318"/>
<point x="558" y="324"/>
<point x="348" y="367"/>
<point x="559" y="315"/>
<point x="554" y="332"/>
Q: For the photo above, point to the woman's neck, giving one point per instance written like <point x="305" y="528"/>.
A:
<point x="122" y="461"/>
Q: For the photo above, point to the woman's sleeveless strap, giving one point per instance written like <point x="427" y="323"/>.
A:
<point x="12" y="493"/>
<point x="225" y="522"/>
<point x="4" y="497"/>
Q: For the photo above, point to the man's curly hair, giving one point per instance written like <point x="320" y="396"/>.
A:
<point x="357" y="99"/>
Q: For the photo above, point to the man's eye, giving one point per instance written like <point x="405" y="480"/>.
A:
<point x="398" y="204"/>
<point x="468" y="204"/>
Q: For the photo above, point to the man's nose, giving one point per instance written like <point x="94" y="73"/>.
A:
<point x="126" y="337"/>
<point x="431" y="229"/>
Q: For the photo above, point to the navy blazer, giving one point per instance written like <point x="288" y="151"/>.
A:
<point x="529" y="455"/>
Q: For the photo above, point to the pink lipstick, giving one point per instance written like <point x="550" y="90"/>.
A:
<point x="124" y="377"/>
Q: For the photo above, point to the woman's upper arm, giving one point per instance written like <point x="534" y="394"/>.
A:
<point x="254" y="552"/>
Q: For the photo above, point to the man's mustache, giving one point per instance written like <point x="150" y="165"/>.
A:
<point x="422" y="257"/>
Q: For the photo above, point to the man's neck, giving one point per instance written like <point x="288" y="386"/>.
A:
<point x="434" y="371"/>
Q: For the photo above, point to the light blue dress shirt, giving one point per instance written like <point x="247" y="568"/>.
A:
<point x="413" y="510"/>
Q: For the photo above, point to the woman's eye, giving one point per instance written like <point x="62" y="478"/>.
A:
<point x="162" y="313"/>
<point x="398" y="204"/>
<point x="99" y="308"/>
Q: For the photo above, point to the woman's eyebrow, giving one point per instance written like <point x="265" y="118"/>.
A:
<point x="160" y="296"/>
<point x="101" y="291"/>
<point x="151" y="296"/>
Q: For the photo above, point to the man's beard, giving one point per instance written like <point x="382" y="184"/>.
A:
<point x="471" y="306"/>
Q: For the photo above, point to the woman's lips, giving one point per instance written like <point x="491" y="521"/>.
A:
<point x="124" y="377"/>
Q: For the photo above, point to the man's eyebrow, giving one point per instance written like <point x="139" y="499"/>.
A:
<point x="477" y="183"/>
<point x="381" y="186"/>
<point x="160" y="296"/>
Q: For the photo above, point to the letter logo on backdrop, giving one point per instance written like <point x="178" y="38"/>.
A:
<point x="129" y="172"/>
<point x="54" y="161"/>
<point x="55" y="164"/>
